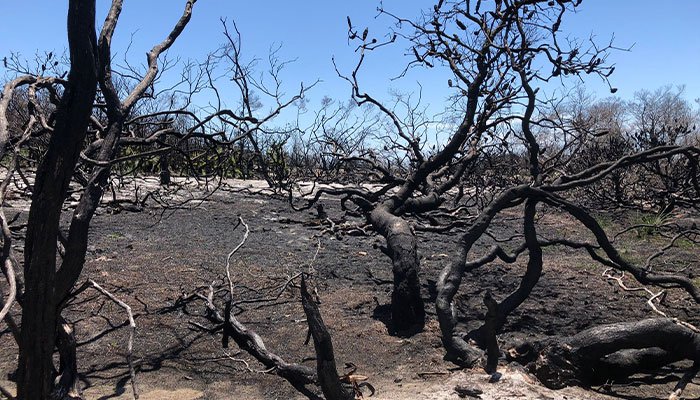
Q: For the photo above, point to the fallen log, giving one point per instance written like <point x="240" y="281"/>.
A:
<point x="617" y="351"/>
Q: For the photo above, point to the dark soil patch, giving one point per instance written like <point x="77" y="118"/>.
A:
<point x="152" y="263"/>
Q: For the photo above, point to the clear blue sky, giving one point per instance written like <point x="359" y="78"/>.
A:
<point x="664" y="34"/>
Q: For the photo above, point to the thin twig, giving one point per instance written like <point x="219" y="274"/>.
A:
<point x="608" y="274"/>
<point x="228" y="258"/>
<point x="247" y="366"/>
<point x="132" y="333"/>
<point x="7" y="256"/>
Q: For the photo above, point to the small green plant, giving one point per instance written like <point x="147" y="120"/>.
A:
<point x="651" y="223"/>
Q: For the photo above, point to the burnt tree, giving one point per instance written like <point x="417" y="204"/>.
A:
<point x="501" y="57"/>
<point x="486" y="53"/>
<point x="39" y="303"/>
<point x="615" y="351"/>
<point x="85" y="130"/>
<point x="525" y="34"/>
<point x="47" y="285"/>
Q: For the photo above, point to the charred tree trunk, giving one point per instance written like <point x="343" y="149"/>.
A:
<point x="36" y="369"/>
<point x="615" y="351"/>
<point x="325" y="358"/>
<point x="76" y="246"/>
<point x="164" y="163"/>
<point x="47" y="288"/>
<point x="490" y="332"/>
<point x="407" y="308"/>
<point x="458" y="349"/>
<point x="67" y="383"/>
<point x="532" y="275"/>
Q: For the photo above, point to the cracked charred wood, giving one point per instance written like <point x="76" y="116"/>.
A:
<point x="615" y="351"/>
<point x="325" y="358"/>
<point x="407" y="307"/>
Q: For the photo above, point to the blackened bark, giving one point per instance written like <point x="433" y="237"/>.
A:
<point x="164" y="163"/>
<point x="297" y="375"/>
<point x="46" y="288"/>
<point x="642" y="275"/>
<point x="615" y="351"/>
<point x="407" y="307"/>
<point x="76" y="245"/>
<point x="36" y="369"/>
<point x="527" y="283"/>
<point x="325" y="358"/>
<point x="450" y="278"/>
<point x="534" y="266"/>
<point x="490" y="331"/>
<point x="68" y="384"/>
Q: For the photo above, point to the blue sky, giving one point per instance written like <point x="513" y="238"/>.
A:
<point x="666" y="49"/>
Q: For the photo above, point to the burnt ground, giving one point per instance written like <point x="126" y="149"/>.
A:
<point x="154" y="261"/>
